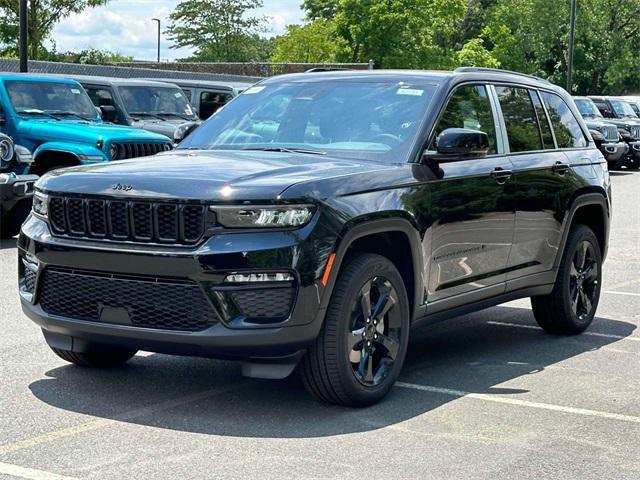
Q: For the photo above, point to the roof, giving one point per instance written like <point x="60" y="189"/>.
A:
<point x="29" y="77"/>
<point x="464" y="73"/>
<point x="112" y="80"/>
<point x="199" y="83"/>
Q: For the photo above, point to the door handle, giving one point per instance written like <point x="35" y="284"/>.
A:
<point x="501" y="175"/>
<point x="560" y="168"/>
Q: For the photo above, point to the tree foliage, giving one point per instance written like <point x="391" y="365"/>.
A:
<point x="218" y="30"/>
<point x="43" y="16"/>
<point x="530" y="36"/>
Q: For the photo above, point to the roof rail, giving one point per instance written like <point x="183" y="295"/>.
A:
<point x="498" y="70"/>
<point x="326" y="69"/>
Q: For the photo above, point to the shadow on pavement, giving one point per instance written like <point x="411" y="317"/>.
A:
<point x="8" y="243"/>
<point x="465" y="354"/>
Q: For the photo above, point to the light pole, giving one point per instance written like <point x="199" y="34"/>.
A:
<point x="158" y="20"/>
<point x="572" y="36"/>
<point x="22" y="43"/>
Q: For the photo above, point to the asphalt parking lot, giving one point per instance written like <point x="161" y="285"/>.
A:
<point x="485" y="396"/>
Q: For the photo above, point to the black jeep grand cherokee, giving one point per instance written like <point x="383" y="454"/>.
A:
<point x="317" y="218"/>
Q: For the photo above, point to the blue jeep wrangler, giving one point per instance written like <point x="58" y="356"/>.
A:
<point x="56" y="120"/>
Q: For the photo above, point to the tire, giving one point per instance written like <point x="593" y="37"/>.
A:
<point x="99" y="358"/>
<point x="355" y="362"/>
<point x="569" y="309"/>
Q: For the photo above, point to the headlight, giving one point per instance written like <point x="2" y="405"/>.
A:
<point x="40" y="202"/>
<point x="23" y="155"/>
<point x="6" y="150"/>
<point x="264" y="216"/>
<point x="113" y="151"/>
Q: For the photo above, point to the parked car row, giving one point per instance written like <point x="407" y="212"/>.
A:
<point x="614" y="124"/>
<point x="51" y="121"/>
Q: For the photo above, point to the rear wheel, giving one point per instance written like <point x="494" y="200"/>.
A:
<point x="100" y="358"/>
<point x="571" y="306"/>
<point x="360" y="351"/>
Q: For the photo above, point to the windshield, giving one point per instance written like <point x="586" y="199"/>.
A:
<point x="162" y="102"/>
<point x="622" y="109"/>
<point x="355" y="119"/>
<point x="587" y="108"/>
<point x="50" y="98"/>
<point x="636" y="107"/>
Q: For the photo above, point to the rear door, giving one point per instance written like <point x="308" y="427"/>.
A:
<point x="471" y="207"/>
<point x="541" y="181"/>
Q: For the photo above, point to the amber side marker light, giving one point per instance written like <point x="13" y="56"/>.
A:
<point x="327" y="270"/>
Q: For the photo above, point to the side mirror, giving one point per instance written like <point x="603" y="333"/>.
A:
<point x="108" y="113"/>
<point x="461" y="143"/>
<point x="607" y="113"/>
<point x="183" y="131"/>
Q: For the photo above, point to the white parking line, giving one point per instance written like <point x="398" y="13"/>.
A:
<point x="124" y="417"/>
<point x="632" y="294"/>
<point x="520" y="403"/>
<point x="591" y="334"/>
<point x="22" y="472"/>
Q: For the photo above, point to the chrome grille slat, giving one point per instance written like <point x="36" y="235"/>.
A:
<point x="127" y="220"/>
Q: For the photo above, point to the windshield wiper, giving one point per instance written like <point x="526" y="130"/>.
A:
<point x="35" y="111"/>
<point x="174" y="115"/>
<point x="69" y="114"/>
<point x="286" y="150"/>
<point x="146" y="114"/>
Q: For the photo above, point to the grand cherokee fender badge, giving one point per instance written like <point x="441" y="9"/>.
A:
<point x="124" y="188"/>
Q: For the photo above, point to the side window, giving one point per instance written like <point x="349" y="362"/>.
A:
<point x="520" y="119"/>
<point x="566" y="127"/>
<point x="100" y="96"/>
<point x="543" y="122"/>
<point x="469" y="107"/>
<point x="210" y="102"/>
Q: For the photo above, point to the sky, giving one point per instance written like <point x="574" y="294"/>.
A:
<point x="125" y="26"/>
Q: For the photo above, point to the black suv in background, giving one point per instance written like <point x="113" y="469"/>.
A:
<point x="317" y="219"/>
<point x="620" y="113"/>
<point x="604" y="133"/>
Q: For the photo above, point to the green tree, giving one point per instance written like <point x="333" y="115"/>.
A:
<point x="219" y="30"/>
<point x="43" y="16"/>
<point x="315" y="42"/>
<point x="90" y="56"/>
<point x="320" y="9"/>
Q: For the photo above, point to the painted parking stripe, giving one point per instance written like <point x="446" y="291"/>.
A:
<point x="520" y="403"/>
<point x="631" y="294"/>
<point x="591" y="334"/>
<point x="124" y="417"/>
<point x="22" y="472"/>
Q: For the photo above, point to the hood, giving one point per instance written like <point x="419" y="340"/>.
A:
<point x="84" y="132"/>
<point x="204" y="175"/>
<point x="161" y="127"/>
<point x="624" y="122"/>
<point x="596" y="123"/>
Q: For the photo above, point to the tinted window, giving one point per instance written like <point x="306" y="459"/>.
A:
<point x="566" y="127"/>
<point x="469" y="107"/>
<point x="100" y="96"/>
<point x="210" y="102"/>
<point x="520" y="119"/>
<point x="543" y="121"/>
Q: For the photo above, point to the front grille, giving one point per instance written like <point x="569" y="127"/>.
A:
<point x="143" y="301"/>
<point x="610" y="132"/>
<point x="635" y="132"/>
<point x="123" y="220"/>
<point x="133" y="150"/>
<point x="264" y="303"/>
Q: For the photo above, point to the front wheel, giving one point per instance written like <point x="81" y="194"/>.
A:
<point x="359" y="353"/>
<point x="571" y="306"/>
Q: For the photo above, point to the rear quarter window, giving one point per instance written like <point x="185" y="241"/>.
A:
<point x="566" y="127"/>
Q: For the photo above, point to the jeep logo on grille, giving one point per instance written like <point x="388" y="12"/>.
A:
<point x="124" y="188"/>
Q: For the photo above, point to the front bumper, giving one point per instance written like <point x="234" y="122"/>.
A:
<point x="14" y="189"/>
<point x="234" y="335"/>
<point x="614" y="151"/>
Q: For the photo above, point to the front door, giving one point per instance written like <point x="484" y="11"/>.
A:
<point x="472" y="209"/>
